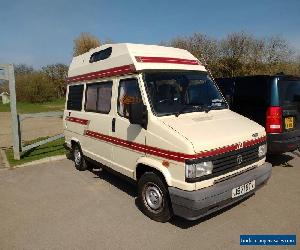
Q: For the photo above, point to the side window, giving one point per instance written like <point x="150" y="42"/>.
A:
<point x="104" y="98"/>
<point x="98" y="97"/>
<point x="75" y="97"/>
<point x="129" y="93"/>
<point x="91" y="98"/>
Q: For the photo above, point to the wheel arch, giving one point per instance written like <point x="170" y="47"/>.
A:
<point x="145" y="164"/>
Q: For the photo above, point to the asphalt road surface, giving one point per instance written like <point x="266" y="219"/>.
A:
<point x="54" y="206"/>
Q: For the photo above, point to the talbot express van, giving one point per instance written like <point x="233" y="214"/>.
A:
<point x="153" y="114"/>
<point x="272" y="101"/>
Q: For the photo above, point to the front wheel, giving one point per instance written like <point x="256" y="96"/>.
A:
<point x="79" y="160"/>
<point x="153" y="197"/>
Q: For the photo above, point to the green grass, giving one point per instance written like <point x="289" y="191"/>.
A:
<point x="27" y="107"/>
<point x="50" y="149"/>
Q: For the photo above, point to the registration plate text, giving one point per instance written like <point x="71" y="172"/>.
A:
<point x="289" y="122"/>
<point x="243" y="189"/>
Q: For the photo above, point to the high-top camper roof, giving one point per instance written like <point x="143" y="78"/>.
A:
<point x="125" y="58"/>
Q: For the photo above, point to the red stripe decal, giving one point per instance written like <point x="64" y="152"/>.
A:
<point x="77" y="120"/>
<point x="126" y="69"/>
<point x="176" y="156"/>
<point x="151" y="59"/>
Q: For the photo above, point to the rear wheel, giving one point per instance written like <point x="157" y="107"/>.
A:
<point x="154" y="198"/>
<point x="80" y="162"/>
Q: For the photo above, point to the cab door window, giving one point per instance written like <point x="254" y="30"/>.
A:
<point x="129" y="93"/>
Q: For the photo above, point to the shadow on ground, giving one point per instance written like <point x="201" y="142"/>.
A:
<point x="185" y="224"/>
<point x="282" y="160"/>
<point x="116" y="181"/>
<point x="130" y="188"/>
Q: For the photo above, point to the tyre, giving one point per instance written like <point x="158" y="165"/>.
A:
<point x="80" y="162"/>
<point x="153" y="197"/>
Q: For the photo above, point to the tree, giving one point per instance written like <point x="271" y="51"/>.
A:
<point x="278" y="56"/>
<point x="84" y="43"/>
<point x="4" y="86"/>
<point x="235" y="51"/>
<point x="201" y="46"/>
<point x="57" y="74"/>
<point x="34" y="87"/>
<point x="39" y="85"/>
<point x="22" y="69"/>
<point x="277" y="50"/>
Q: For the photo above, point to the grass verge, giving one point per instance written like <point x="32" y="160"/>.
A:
<point x="53" y="148"/>
<point x="27" y="107"/>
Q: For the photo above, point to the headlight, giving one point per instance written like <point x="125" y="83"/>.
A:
<point x="262" y="150"/>
<point x="198" y="170"/>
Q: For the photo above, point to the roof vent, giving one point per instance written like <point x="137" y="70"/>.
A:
<point x="101" y="55"/>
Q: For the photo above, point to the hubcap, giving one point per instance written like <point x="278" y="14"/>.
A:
<point x="77" y="156"/>
<point x="153" y="196"/>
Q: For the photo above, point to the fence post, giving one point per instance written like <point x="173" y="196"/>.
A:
<point x="15" y="121"/>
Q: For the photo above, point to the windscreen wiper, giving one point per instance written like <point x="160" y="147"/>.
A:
<point x="218" y="103"/>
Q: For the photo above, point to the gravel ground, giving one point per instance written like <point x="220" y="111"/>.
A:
<point x="31" y="128"/>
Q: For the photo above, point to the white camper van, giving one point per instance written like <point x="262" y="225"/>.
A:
<point x="153" y="114"/>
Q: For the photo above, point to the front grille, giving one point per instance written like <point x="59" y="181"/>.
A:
<point x="228" y="162"/>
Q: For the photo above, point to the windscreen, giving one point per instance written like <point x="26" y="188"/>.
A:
<point x="289" y="91"/>
<point x="182" y="92"/>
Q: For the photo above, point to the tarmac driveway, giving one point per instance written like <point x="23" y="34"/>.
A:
<point x="54" y="206"/>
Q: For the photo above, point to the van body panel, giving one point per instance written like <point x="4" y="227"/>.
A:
<point x="99" y="124"/>
<point x="164" y="137"/>
<point x="125" y="157"/>
<point x="126" y="54"/>
<point x="74" y="131"/>
<point x="173" y="173"/>
<point x="222" y="127"/>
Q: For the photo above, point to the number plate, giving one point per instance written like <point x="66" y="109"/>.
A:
<point x="243" y="189"/>
<point x="289" y="122"/>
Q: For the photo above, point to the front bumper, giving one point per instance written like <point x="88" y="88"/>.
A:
<point x="192" y="205"/>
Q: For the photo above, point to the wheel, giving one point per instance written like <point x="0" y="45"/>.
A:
<point x="153" y="197"/>
<point x="80" y="162"/>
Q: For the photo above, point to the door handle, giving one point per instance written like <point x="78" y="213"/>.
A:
<point x="113" y="125"/>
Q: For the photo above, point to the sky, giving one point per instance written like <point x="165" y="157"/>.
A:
<point x="39" y="32"/>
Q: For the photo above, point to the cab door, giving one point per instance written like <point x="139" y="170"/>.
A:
<point x="127" y="136"/>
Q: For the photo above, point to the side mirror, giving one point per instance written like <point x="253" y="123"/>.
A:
<point x="138" y="114"/>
